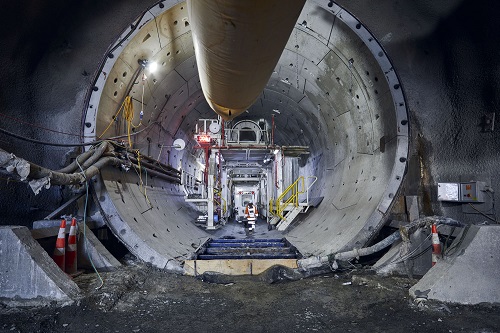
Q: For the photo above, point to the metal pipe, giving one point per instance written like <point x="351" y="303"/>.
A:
<point x="237" y="46"/>
<point x="272" y="131"/>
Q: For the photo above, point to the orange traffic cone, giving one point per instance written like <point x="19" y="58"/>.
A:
<point x="59" y="251"/>
<point x="71" y="251"/>
<point x="436" y="245"/>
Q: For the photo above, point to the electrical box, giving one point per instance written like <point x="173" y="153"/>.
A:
<point x="461" y="192"/>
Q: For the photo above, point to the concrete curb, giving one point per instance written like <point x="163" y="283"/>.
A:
<point x="28" y="275"/>
<point x="469" y="274"/>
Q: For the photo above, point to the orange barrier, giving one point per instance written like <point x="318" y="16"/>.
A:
<point x="71" y="254"/>
<point x="436" y="245"/>
<point x="59" y="251"/>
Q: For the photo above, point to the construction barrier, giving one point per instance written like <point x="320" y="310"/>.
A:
<point x="436" y="245"/>
<point x="59" y="251"/>
<point x="71" y="254"/>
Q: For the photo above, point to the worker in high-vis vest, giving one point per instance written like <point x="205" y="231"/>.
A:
<point x="251" y="215"/>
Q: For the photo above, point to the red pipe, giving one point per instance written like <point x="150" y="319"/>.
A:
<point x="272" y="131"/>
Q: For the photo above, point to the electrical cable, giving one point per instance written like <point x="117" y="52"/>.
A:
<point x="482" y="213"/>
<point x="49" y="143"/>
<point x="91" y="143"/>
<point x="85" y="225"/>
<point x="113" y="119"/>
<point x="41" y="127"/>
<point x="456" y="244"/>
<point x="139" y="174"/>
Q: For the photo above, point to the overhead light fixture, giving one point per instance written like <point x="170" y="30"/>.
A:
<point x="276" y="151"/>
<point x="151" y="66"/>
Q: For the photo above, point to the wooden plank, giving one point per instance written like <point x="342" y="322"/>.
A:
<point x="235" y="266"/>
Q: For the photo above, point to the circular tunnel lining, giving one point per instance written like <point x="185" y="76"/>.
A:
<point x="334" y="89"/>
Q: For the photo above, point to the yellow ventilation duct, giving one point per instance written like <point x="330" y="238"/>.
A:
<point x="237" y="45"/>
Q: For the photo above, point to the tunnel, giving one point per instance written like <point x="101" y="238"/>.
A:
<point x="335" y="90"/>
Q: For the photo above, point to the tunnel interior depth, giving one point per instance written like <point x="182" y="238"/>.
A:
<point x="333" y="90"/>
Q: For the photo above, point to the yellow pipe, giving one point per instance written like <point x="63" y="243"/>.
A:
<point x="237" y="45"/>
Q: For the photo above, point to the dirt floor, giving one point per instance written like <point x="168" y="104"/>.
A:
<point x="138" y="298"/>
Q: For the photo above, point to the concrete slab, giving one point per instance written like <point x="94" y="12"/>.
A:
<point x="91" y="249"/>
<point x="412" y="207"/>
<point x="28" y="275"/>
<point x="469" y="272"/>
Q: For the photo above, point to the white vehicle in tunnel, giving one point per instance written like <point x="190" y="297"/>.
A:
<point x="243" y="195"/>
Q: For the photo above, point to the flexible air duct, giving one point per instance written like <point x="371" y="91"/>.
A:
<point x="237" y="45"/>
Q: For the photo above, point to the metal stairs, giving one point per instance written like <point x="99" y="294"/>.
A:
<point x="241" y="256"/>
<point x="292" y="212"/>
<point x="247" y="249"/>
<point x="289" y="217"/>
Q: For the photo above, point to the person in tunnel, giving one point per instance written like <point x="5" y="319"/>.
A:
<point x="251" y="215"/>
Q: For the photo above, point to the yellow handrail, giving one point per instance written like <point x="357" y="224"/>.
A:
<point x="293" y="199"/>
<point x="224" y="207"/>
<point x="271" y="207"/>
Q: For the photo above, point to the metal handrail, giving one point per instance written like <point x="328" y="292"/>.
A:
<point x="271" y="207"/>
<point x="294" y="197"/>
<point x="276" y="207"/>
<point x="307" y="191"/>
<point x="224" y="207"/>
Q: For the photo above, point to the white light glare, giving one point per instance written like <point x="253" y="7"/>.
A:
<point x="276" y="151"/>
<point x="152" y="66"/>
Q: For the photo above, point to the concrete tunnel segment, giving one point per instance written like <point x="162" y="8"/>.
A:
<point x="336" y="90"/>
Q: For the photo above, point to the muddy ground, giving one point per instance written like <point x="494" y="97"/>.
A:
<point x="138" y="298"/>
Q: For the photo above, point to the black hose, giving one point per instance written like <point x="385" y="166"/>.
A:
<point x="154" y="167"/>
<point x="160" y="175"/>
<point x="369" y="250"/>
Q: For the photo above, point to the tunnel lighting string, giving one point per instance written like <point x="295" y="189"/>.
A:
<point x="85" y="224"/>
